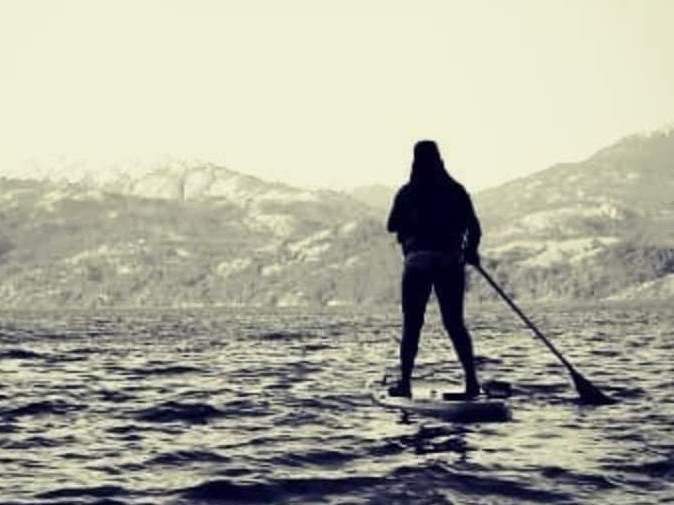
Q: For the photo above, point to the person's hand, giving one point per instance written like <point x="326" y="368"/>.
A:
<point x="472" y="258"/>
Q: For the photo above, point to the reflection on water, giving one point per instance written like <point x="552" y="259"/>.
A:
<point x="220" y="406"/>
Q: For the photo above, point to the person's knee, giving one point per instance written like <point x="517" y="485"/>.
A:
<point x="456" y="329"/>
<point x="450" y="320"/>
<point x="413" y="316"/>
<point x="413" y="325"/>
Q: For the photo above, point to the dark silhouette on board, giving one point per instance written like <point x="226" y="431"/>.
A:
<point x="439" y="232"/>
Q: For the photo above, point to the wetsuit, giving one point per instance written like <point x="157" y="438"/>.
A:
<point x="438" y="230"/>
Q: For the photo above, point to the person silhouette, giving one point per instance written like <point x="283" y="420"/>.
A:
<point x="435" y="222"/>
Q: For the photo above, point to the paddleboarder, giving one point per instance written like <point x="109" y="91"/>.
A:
<point x="438" y="230"/>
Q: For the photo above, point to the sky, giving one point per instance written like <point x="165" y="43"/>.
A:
<point x="322" y="93"/>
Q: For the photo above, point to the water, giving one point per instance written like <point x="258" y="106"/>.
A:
<point x="254" y="407"/>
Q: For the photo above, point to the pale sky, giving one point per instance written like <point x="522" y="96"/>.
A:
<point x="334" y="93"/>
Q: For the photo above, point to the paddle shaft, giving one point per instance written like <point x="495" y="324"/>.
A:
<point x="524" y="318"/>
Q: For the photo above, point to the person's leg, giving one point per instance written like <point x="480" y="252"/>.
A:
<point x="449" y="285"/>
<point x="416" y="288"/>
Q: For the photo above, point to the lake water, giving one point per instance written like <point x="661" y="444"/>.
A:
<point x="219" y="406"/>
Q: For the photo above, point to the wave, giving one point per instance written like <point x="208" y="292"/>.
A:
<point x="280" y="335"/>
<point x="576" y="478"/>
<point x="660" y="468"/>
<point x="19" y="354"/>
<point x="165" y="370"/>
<point x="198" y="412"/>
<point x="227" y="491"/>
<point x="441" y="477"/>
<point x="169" y="412"/>
<point x="315" y="457"/>
<point x="432" y="480"/>
<point x="46" y="407"/>
<point x="487" y="360"/>
<point x="34" y="442"/>
<point x="184" y="457"/>
<point x="97" y="492"/>
<point x="107" y="395"/>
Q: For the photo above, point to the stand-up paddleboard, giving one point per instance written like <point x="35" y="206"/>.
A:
<point x="430" y="401"/>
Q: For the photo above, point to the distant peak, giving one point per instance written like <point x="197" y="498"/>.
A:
<point x="642" y="141"/>
<point x="101" y="170"/>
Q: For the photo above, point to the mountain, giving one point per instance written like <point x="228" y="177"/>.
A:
<point x="377" y="196"/>
<point x="185" y="234"/>
<point x="191" y="233"/>
<point x="590" y="229"/>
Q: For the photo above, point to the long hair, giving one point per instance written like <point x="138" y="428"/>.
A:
<point x="428" y="169"/>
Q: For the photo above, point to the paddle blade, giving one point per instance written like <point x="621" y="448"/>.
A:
<point x="588" y="392"/>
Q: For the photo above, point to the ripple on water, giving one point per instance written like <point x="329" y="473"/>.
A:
<point x="315" y="457"/>
<point x="41" y="408"/>
<point x="19" y="354"/>
<point x="274" y="491"/>
<point x="186" y="457"/>
<point x="475" y="484"/>
<point x="169" y="412"/>
<point x="94" y="492"/>
<point x="558" y="474"/>
<point x="164" y="370"/>
<point x="662" y="468"/>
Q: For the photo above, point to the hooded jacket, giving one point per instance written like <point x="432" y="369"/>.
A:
<point x="437" y="218"/>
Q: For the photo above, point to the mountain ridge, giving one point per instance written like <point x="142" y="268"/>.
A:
<point x="195" y="233"/>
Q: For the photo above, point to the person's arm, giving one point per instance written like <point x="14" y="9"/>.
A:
<point x="394" y="218"/>
<point x="473" y="234"/>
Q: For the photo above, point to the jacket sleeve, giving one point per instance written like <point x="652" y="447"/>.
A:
<point x="473" y="229"/>
<point x="393" y="224"/>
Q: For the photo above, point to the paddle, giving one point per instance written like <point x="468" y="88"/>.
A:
<point x="587" y="391"/>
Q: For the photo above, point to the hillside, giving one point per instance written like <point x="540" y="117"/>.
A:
<point x="627" y="184"/>
<point x="589" y="229"/>
<point x="182" y="233"/>
<point x="377" y="196"/>
<point x="189" y="235"/>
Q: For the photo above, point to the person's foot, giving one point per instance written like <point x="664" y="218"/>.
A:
<point x="400" y="389"/>
<point x="457" y="397"/>
<point x="472" y="390"/>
